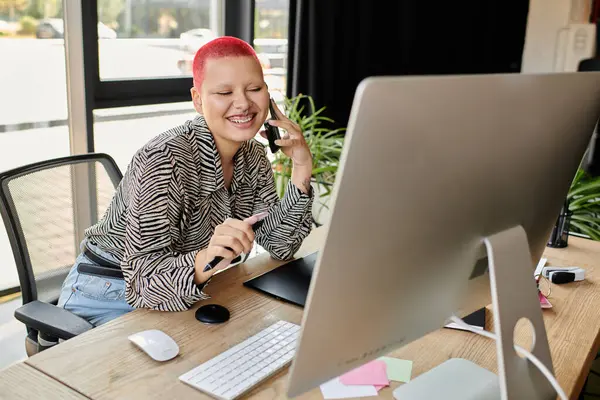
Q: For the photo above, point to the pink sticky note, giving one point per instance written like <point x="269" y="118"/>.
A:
<point x="544" y="301"/>
<point x="372" y="373"/>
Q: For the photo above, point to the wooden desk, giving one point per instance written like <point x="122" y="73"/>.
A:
<point x="22" y="381"/>
<point x="103" y="364"/>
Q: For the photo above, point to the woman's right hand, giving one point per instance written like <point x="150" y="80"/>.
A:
<point x="230" y="239"/>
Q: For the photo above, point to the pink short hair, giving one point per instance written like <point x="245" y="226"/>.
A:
<point x="225" y="46"/>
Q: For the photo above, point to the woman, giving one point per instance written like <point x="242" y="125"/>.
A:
<point x="187" y="197"/>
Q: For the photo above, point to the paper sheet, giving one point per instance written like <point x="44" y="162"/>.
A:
<point x="398" y="369"/>
<point x="456" y="326"/>
<point x="334" y="389"/>
<point x="372" y="373"/>
<point x="544" y="303"/>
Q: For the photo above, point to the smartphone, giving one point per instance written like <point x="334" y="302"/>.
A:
<point x="272" y="131"/>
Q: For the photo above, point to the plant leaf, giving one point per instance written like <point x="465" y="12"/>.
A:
<point x="593" y="185"/>
<point x="586" y="199"/>
<point x="593" y="233"/>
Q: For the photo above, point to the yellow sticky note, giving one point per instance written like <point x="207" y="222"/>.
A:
<point x="398" y="369"/>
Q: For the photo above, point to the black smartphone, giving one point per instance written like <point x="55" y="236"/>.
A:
<point x="272" y="131"/>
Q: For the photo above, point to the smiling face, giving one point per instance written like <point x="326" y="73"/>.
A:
<point x="233" y="98"/>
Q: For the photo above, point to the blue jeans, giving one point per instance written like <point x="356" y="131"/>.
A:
<point x="97" y="299"/>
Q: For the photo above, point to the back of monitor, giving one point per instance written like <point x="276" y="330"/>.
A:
<point x="432" y="165"/>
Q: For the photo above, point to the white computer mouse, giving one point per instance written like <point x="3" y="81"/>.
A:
<point x="155" y="343"/>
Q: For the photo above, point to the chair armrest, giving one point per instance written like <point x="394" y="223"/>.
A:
<point x="52" y="320"/>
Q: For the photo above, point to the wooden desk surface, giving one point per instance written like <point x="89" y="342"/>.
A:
<point x="103" y="364"/>
<point x="22" y="381"/>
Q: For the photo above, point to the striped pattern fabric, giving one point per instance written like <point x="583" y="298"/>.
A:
<point x="169" y="202"/>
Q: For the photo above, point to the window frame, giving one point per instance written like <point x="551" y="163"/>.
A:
<point x="238" y="21"/>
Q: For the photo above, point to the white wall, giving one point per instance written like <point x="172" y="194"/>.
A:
<point x="550" y="43"/>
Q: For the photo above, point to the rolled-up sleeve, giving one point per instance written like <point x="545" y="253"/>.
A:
<point x="290" y="218"/>
<point x="156" y="277"/>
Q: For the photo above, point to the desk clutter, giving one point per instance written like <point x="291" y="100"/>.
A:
<point x="545" y="276"/>
<point x="368" y="379"/>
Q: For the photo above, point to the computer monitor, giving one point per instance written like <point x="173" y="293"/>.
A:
<point x="431" y="166"/>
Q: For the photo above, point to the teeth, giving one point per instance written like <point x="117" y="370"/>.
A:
<point x="241" y="120"/>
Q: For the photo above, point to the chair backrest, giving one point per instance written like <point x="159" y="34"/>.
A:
<point x="46" y="206"/>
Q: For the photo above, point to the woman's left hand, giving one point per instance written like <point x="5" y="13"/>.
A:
<point x="292" y="143"/>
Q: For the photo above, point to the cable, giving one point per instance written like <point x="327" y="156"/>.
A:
<point x="540" y="365"/>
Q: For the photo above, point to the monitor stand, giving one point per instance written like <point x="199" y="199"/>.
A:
<point x="514" y="296"/>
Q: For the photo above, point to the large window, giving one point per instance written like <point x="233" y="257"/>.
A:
<point x="32" y="70"/>
<point x="33" y="100"/>
<point x="140" y="51"/>
<point x="144" y="55"/>
<point x="120" y="132"/>
<point x="271" y="43"/>
<point x="148" y="39"/>
<point x="159" y="39"/>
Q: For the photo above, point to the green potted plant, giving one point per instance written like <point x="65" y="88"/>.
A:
<point x="325" y="144"/>
<point x="584" y="203"/>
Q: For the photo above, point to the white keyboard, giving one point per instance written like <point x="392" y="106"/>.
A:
<point x="242" y="367"/>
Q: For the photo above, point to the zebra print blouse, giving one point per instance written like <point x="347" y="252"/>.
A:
<point x="169" y="202"/>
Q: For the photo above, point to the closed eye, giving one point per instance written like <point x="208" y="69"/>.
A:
<point x="256" y="89"/>
<point x="224" y="93"/>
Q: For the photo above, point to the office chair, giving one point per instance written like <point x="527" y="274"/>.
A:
<point x="41" y="205"/>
